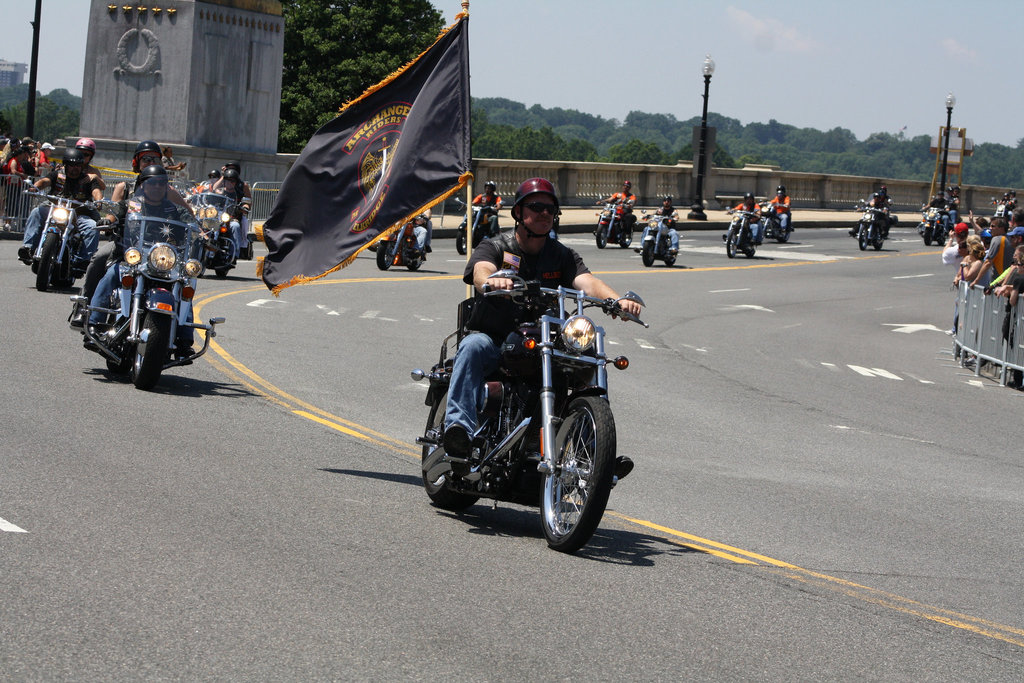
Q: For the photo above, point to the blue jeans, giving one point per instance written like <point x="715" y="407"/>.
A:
<point x="106" y="287"/>
<point x="420" y="233"/>
<point x="87" y="226"/>
<point x="673" y="239"/>
<point x="784" y="221"/>
<point x="756" y="232"/>
<point x="477" y="357"/>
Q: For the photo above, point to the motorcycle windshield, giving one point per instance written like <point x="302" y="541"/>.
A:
<point x="142" y="232"/>
<point x="220" y="202"/>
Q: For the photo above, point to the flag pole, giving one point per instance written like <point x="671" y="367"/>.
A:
<point x="469" y="185"/>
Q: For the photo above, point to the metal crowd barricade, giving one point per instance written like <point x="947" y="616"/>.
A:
<point x="15" y="204"/>
<point x="264" y="194"/>
<point x="988" y="332"/>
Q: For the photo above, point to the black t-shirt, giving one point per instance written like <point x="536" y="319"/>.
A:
<point x="79" y="189"/>
<point x="555" y="265"/>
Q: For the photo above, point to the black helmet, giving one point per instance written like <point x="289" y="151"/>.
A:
<point x="235" y="165"/>
<point x="491" y="184"/>
<point x="141" y="148"/>
<point x="667" y="198"/>
<point x="73" y="156"/>
<point x="152" y="171"/>
<point x="781" y="188"/>
<point x="215" y="173"/>
<point x="231" y="174"/>
<point x="748" y="195"/>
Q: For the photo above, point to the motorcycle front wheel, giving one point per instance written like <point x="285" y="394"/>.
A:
<point x="383" y="255"/>
<point x="601" y="236"/>
<point x="862" y="238"/>
<point x="47" y="261"/>
<point x="647" y="254"/>
<point x="150" y="355"/>
<point x="460" y="242"/>
<point x="730" y="243"/>
<point x="437" y="490"/>
<point x="573" y="497"/>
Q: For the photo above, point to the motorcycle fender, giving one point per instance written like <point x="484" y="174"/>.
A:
<point x="160" y="301"/>
<point x="592" y="390"/>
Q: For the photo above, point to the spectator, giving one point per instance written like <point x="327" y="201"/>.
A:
<point x="169" y="163"/>
<point x="971" y="267"/>
<point x="953" y="255"/>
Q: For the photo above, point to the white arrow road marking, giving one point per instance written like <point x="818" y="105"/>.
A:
<point x="376" y="316"/>
<point x="976" y="383"/>
<point x="329" y="310"/>
<point x="922" y="381"/>
<point x="874" y="372"/>
<point x="698" y="349"/>
<point x="7" y="526"/>
<point x="891" y="436"/>
<point x="644" y="344"/>
<point x="750" y="307"/>
<point x="263" y="302"/>
<point x="424" y="319"/>
<point x="910" y="328"/>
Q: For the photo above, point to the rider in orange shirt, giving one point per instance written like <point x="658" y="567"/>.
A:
<point x="490" y="198"/>
<point x="625" y="199"/>
<point x="780" y="205"/>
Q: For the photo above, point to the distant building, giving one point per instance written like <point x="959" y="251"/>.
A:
<point x="12" y="73"/>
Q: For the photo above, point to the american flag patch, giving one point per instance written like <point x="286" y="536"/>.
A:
<point x="510" y="260"/>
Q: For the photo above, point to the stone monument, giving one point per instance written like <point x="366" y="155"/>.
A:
<point x="200" y="76"/>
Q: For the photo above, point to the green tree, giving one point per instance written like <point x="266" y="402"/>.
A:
<point x="333" y="51"/>
<point x="637" y="152"/>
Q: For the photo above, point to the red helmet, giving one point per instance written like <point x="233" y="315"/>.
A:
<point x="86" y="144"/>
<point x="532" y="186"/>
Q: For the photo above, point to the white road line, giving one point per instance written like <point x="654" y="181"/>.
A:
<point x="749" y="307"/>
<point x="7" y="526"/>
<point x="910" y="277"/>
<point x="874" y="372"/>
<point x="644" y="344"/>
<point x="891" y="436"/>
<point x="375" y="315"/>
<point x="722" y="291"/>
<point x="329" y="310"/>
<point x="263" y="302"/>
<point x="773" y="253"/>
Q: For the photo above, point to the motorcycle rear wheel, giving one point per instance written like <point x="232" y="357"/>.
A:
<point x="782" y="236"/>
<point x="625" y="238"/>
<point x="150" y="355"/>
<point x="438" y="491"/>
<point x="47" y="261"/>
<point x="573" y="498"/>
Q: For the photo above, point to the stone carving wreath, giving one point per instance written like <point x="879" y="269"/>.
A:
<point x="152" y="52"/>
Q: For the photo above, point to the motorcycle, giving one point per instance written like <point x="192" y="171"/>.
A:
<point x="399" y="249"/>
<point x="481" y="227"/>
<point x="655" y="242"/>
<point x="1004" y="207"/>
<point x="611" y="226"/>
<point x="739" y="237"/>
<point x="158" y="275"/>
<point x="53" y="262"/>
<point x="931" y="227"/>
<point x="215" y="213"/>
<point x="546" y="426"/>
<point x="872" y="229"/>
<point x="773" y="224"/>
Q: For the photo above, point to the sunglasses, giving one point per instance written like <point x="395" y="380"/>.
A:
<point x="541" y="207"/>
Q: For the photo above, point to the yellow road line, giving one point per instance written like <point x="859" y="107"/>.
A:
<point x="296" y="406"/>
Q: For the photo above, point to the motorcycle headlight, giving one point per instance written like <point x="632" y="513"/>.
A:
<point x="225" y="217"/>
<point x="578" y="333"/>
<point x="193" y="268"/>
<point x="132" y="256"/>
<point x="162" y="258"/>
<point x="60" y="215"/>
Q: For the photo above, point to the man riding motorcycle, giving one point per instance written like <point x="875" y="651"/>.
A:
<point x="243" y="245"/>
<point x="528" y="250"/>
<point x="150" y="198"/>
<point x="231" y="185"/>
<point x="749" y="203"/>
<point x="780" y="205"/>
<point x="490" y="198"/>
<point x="70" y="179"/>
<point x="625" y="200"/>
<point x="673" y="235"/>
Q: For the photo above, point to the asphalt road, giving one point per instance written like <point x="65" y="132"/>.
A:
<point x="821" y="493"/>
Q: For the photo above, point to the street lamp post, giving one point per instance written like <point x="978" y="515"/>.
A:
<point x="950" y="102"/>
<point x="697" y="209"/>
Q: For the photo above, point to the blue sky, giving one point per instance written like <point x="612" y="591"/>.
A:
<point x="866" y="66"/>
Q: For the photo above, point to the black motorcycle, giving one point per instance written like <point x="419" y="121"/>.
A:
<point x="547" y="429"/>
<point x="873" y="227"/>
<point x="655" y="242"/>
<point x="739" y="237"/>
<point x="54" y="259"/>
<point x="614" y="224"/>
<point x="158" y="274"/>
<point x="481" y="227"/>
<point x="772" y="221"/>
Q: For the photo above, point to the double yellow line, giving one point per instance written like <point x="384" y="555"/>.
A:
<point x="246" y="377"/>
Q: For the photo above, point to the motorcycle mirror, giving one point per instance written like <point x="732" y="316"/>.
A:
<point x="630" y="295"/>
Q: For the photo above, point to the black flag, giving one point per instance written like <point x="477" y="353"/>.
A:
<point x="397" y="150"/>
